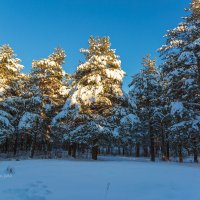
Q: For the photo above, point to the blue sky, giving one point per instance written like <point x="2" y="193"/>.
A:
<point x="35" y="27"/>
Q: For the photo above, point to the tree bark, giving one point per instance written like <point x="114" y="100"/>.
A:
<point x="123" y="151"/>
<point x="163" y="147"/>
<point x="137" y="150"/>
<point x="119" y="151"/>
<point x="15" y="144"/>
<point x="145" y="149"/>
<point x="6" y="145"/>
<point x="94" y="150"/>
<point x="33" y="146"/>
<point x="198" y="66"/>
<point x="74" y="150"/>
<point x="152" y="147"/>
<point x="180" y="154"/>
<point x="195" y="156"/>
<point x="167" y="150"/>
<point x="70" y="149"/>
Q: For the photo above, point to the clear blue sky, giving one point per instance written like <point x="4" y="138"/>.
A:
<point x="136" y="27"/>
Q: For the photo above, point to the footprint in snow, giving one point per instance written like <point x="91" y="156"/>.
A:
<point x="34" y="191"/>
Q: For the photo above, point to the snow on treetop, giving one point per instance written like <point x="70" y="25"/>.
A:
<point x="43" y="62"/>
<point x="9" y="58"/>
<point x="100" y="62"/>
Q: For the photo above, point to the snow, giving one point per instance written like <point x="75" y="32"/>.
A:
<point x="95" y="78"/>
<point x="28" y="121"/>
<point x="116" y="132"/>
<point x="188" y="58"/>
<point x="2" y="90"/>
<point x="116" y="74"/>
<point x="4" y="121"/>
<point x="44" y="61"/>
<point x="195" y="44"/>
<point x="176" y="43"/>
<point x="87" y="94"/>
<point x="5" y="114"/>
<point x="177" y="107"/>
<point x="99" y="180"/>
<point x="189" y="81"/>
<point x="59" y="116"/>
<point x="130" y="118"/>
<point x="64" y="90"/>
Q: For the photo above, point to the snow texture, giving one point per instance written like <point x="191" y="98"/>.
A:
<point x="118" y="179"/>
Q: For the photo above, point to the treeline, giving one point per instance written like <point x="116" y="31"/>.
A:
<point x="49" y="109"/>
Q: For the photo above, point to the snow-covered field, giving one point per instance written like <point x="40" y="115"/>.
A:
<point x="98" y="180"/>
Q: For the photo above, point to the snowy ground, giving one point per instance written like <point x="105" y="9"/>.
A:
<point x="99" y="180"/>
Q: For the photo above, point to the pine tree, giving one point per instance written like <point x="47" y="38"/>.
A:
<point x="9" y="91"/>
<point x="145" y="89"/>
<point x="96" y="99"/>
<point x="47" y="81"/>
<point x="181" y="72"/>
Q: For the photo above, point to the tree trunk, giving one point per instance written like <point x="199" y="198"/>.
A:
<point x="123" y="151"/>
<point x="70" y="149"/>
<point x="15" y="144"/>
<point x="74" y="150"/>
<point x="167" y="150"/>
<point x="6" y="145"/>
<point x="180" y="154"/>
<point x="94" y="150"/>
<point x="108" y="151"/>
<point x="119" y="151"/>
<point x="152" y="147"/>
<point x="195" y="156"/>
<point x="195" y="150"/>
<point x="198" y="66"/>
<point x="137" y="150"/>
<point x="26" y="145"/>
<point x="163" y="147"/>
<point x="145" y="149"/>
<point x="22" y="143"/>
<point x="33" y="146"/>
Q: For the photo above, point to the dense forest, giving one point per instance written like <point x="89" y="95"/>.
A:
<point x="49" y="110"/>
